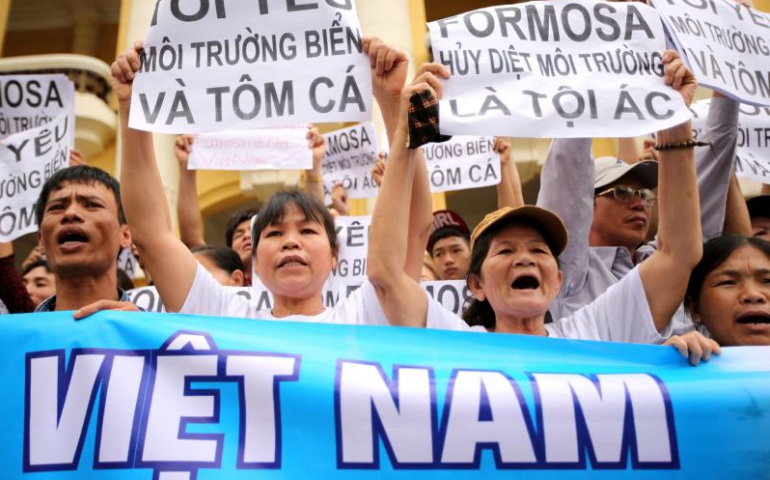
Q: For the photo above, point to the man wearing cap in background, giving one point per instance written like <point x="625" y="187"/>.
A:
<point x="607" y="204"/>
<point x="759" y="211"/>
<point x="449" y="245"/>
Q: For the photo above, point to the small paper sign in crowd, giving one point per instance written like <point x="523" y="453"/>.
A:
<point x="37" y="125"/>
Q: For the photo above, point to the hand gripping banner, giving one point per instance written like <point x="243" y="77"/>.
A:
<point x="162" y="396"/>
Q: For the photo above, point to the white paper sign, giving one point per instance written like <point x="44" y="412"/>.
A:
<point x="451" y="294"/>
<point x="262" y="149"/>
<point x="353" y="237"/>
<point x="555" y="69"/>
<point x="462" y="162"/>
<point x="29" y="101"/>
<point x="753" y="155"/>
<point x="350" y="155"/>
<point x="726" y="45"/>
<point x="27" y="160"/>
<point x="214" y="65"/>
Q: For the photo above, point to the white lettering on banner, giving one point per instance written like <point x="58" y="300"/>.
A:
<point x="30" y="101"/>
<point x="622" y="416"/>
<point x="753" y="154"/>
<point x="726" y="44"/>
<point x="149" y="399"/>
<point x="462" y="162"/>
<point x="263" y="149"/>
<point x="156" y="382"/>
<point x="555" y="69"/>
<point x="350" y="155"/>
<point x="207" y="66"/>
<point x="27" y="160"/>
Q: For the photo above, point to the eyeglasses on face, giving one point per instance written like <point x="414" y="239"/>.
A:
<point x="623" y="193"/>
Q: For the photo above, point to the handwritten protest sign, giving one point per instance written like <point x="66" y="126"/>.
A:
<point x="462" y="162"/>
<point x="753" y="155"/>
<point x="262" y="149"/>
<point x="555" y="69"/>
<point x="726" y="44"/>
<point x="210" y="65"/>
<point x="350" y="154"/>
<point x="27" y="160"/>
<point x="29" y="101"/>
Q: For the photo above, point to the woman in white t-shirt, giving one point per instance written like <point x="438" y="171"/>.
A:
<point x="514" y="272"/>
<point x="294" y="240"/>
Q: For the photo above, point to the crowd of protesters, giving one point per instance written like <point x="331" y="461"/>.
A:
<point x="659" y="247"/>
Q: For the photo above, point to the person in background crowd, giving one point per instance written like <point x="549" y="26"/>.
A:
<point x="82" y="228"/>
<point x="514" y="272"/>
<point x="729" y="291"/>
<point x="222" y="263"/>
<point x="428" y="272"/>
<point x="606" y="206"/>
<point x="339" y="200"/>
<point x="238" y="237"/>
<point x="448" y="245"/>
<point x="759" y="212"/>
<point x="39" y="280"/>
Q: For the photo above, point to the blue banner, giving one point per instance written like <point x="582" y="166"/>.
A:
<point x="171" y="397"/>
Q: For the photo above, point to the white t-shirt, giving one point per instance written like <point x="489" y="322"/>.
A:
<point x="620" y="314"/>
<point x="209" y="297"/>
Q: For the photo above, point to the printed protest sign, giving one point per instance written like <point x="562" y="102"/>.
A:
<point x="144" y="395"/>
<point x="753" y="155"/>
<point x="726" y="44"/>
<point x="555" y="69"/>
<point x="350" y="155"/>
<point x="29" y="101"/>
<point x="462" y="162"/>
<point x="353" y="238"/>
<point x="210" y="65"/>
<point x="27" y="160"/>
<point x="262" y="149"/>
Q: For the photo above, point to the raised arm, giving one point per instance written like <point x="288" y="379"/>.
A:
<point x="567" y="189"/>
<point x="314" y="177"/>
<point x="144" y="201"/>
<point x="188" y="209"/>
<point x="737" y="220"/>
<point x="665" y="274"/>
<point x="389" y="70"/>
<point x="403" y="300"/>
<point x="714" y="165"/>
<point x="509" y="189"/>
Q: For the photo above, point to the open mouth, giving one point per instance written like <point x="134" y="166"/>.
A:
<point x="526" y="282"/>
<point x="292" y="261"/>
<point x="754" y="319"/>
<point x="72" y="237"/>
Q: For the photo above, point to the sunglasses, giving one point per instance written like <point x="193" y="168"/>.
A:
<point x="625" y="194"/>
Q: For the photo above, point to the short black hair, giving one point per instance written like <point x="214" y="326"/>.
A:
<point x="273" y="211"/>
<point x="37" y="263"/>
<point x="236" y="219"/>
<point x="224" y="257"/>
<point x="82" y="174"/>
<point x="715" y="252"/>
<point x="443" y="233"/>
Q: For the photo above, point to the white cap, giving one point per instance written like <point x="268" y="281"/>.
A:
<point x="611" y="169"/>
